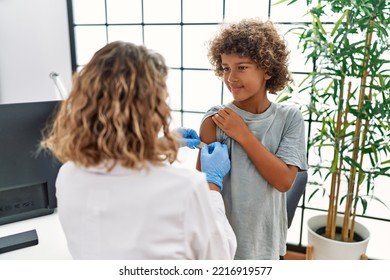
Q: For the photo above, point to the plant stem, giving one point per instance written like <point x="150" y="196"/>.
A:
<point x="360" y="173"/>
<point x="356" y="140"/>
<point x="330" y="230"/>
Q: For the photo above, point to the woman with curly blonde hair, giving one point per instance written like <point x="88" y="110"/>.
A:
<point x="266" y="140"/>
<point x="118" y="196"/>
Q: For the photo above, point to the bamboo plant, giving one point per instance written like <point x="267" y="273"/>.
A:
<point x="348" y="43"/>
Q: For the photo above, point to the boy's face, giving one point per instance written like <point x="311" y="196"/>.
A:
<point x="243" y="78"/>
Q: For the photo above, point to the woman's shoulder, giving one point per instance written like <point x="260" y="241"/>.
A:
<point x="191" y="181"/>
<point x="185" y="174"/>
<point x="68" y="166"/>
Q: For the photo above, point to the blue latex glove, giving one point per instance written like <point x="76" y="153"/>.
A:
<point x="215" y="162"/>
<point x="189" y="139"/>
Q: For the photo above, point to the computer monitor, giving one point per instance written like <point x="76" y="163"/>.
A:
<point x="27" y="177"/>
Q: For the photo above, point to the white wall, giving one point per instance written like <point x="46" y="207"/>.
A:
<point x="34" y="41"/>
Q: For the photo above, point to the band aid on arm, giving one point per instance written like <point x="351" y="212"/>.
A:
<point x="199" y="146"/>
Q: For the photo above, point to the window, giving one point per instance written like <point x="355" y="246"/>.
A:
<point x="180" y="33"/>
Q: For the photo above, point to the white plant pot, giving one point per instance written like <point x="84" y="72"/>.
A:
<point x="328" y="249"/>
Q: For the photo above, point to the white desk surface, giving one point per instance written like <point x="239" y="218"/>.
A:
<point x="51" y="239"/>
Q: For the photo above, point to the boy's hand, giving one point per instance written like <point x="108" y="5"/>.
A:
<point x="231" y="123"/>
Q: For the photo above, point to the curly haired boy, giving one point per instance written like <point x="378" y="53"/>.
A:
<point x="265" y="140"/>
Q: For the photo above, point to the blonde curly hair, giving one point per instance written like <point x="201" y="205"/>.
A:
<point x="258" y="41"/>
<point x="115" y="111"/>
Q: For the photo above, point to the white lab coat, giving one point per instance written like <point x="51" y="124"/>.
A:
<point x="164" y="212"/>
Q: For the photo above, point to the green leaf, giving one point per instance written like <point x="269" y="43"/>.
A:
<point x="283" y="1"/>
<point x="312" y="194"/>
<point x="319" y="24"/>
<point x="364" y="205"/>
<point x="362" y="177"/>
<point x="336" y="27"/>
<point x="282" y="98"/>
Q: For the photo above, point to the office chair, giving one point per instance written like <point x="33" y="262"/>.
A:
<point x="294" y="194"/>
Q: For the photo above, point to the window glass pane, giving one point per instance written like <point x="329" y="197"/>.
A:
<point x="381" y="190"/>
<point x="124" y="11"/>
<point x="201" y="90"/>
<point x="237" y="10"/>
<point x="162" y="11"/>
<point x="296" y="12"/>
<point x="227" y="95"/>
<point x="301" y="89"/>
<point x="297" y="60"/>
<point x="202" y="10"/>
<point x="192" y="120"/>
<point x="89" y="11"/>
<point x="89" y="39"/>
<point x="174" y="89"/>
<point x="294" y="231"/>
<point x="176" y="120"/>
<point x="326" y="152"/>
<point x="165" y="40"/>
<point x="319" y="188"/>
<point x="195" y="40"/>
<point x="125" y="33"/>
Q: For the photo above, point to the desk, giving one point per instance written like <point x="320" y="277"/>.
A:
<point x="51" y="239"/>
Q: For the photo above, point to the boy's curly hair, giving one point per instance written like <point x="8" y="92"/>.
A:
<point x="115" y="111"/>
<point x="258" y="41"/>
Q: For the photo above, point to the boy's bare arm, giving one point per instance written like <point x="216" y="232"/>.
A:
<point x="207" y="135"/>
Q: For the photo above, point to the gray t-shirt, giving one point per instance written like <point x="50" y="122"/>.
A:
<point x="255" y="209"/>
